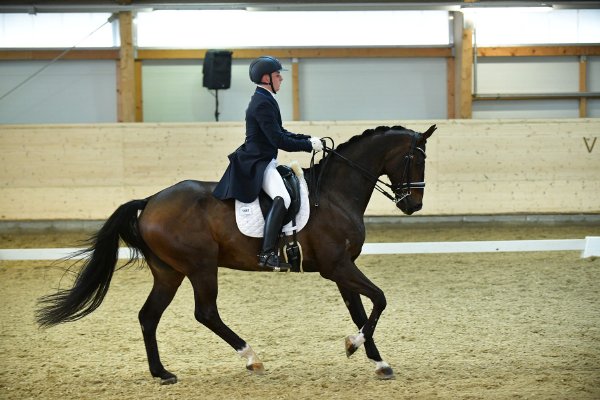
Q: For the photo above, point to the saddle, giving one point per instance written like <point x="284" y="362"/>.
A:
<point x="292" y="184"/>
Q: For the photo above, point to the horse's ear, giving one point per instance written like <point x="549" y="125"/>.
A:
<point x="429" y="132"/>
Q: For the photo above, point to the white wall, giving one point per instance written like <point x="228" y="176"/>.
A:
<point x="330" y="89"/>
<point x="593" y="74"/>
<point x="65" y="92"/>
<point x="173" y="92"/>
<point x="371" y="89"/>
<point x="593" y="86"/>
<point x="526" y="75"/>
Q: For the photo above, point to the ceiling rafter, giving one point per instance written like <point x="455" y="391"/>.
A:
<point x="39" y="6"/>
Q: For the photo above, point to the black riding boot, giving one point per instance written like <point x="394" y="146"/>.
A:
<point x="268" y="258"/>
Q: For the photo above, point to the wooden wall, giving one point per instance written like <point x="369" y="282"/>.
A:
<point x="474" y="167"/>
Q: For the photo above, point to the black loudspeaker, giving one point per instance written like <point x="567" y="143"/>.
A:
<point x="216" y="69"/>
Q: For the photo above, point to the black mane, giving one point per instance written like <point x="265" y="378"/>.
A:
<point x="315" y="169"/>
<point x="368" y="133"/>
<point x="311" y="174"/>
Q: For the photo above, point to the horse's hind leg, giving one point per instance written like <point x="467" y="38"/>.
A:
<point x="166" y="283"/>
<point x="359" y="317"/>
<point x="205" y="284"/>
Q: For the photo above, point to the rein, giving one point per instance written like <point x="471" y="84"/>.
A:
<point x="404" y="187"/>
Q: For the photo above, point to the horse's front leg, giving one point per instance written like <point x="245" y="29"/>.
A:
<point x="353" y="283"/>
<point x="359" y="317"/>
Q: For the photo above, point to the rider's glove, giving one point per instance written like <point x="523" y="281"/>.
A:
<point x="317" y="145"/>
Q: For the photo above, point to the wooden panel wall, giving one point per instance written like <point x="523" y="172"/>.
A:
<point x="473" y="167"/>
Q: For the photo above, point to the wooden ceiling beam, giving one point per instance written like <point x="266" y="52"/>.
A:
<point x="539" y="51"/>
<point x="50" y="54"/>
<point x="328" y="52"/>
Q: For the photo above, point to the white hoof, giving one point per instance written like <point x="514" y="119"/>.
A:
<point x="384" y="371"/>
<point x="353" y="342"/>
<point x="253" y="363"/>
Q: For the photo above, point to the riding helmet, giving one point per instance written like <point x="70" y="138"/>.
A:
<point x="263" y="65"/>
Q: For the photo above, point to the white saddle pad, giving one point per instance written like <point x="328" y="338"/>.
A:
<point x="251" y="222"/>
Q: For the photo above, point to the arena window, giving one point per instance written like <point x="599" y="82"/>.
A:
<point x="57" y="30"/>
<point x="240" y="28"/>
<point x="533" y="25"/>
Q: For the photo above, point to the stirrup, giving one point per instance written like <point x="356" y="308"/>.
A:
<point x="270" y="262"/>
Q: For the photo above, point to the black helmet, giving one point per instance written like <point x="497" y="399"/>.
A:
<point x="263" y="65"/>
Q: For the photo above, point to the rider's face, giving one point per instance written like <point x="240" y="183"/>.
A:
<point x="277" y="79"/>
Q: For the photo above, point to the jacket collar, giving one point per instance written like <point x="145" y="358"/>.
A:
<point x="262" y="90"/>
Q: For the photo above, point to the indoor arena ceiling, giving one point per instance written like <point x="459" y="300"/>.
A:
<point x="32" y="6"/>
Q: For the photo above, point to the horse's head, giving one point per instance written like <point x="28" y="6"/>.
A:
<point x="405" y="167"/>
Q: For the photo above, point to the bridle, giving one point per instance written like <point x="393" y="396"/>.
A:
<point x="401" y="191"/>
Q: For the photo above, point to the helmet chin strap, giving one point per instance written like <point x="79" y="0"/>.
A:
<point x="270" y="83"/>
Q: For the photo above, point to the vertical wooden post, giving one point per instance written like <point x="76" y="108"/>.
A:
<point x="454" y="64"/>
<point x="451" y="82"/>
<point x="139" y="103"/>
<point x="582" y="86"/>
<point x="295" y="89"/>
<point x="126" y="70"/>
<point x="466" y="74"/>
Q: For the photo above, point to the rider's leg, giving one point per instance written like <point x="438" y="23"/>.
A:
<point x="274" y="187"/>
<point x="273" y="184"/>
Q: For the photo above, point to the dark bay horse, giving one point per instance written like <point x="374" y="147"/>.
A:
<point x="185" y="231"/>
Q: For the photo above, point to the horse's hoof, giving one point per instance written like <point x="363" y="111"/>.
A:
<point x="350" y="346"/>
<point x="385" y="373"/>
<point x="166" y="378"/>
<point x="256" y="368"/>
<point x="168" y="381"/>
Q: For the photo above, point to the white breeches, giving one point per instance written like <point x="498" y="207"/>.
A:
<point x="273" y="184"/>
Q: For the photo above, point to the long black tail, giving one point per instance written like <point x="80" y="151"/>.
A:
<point x="95" y="275"/>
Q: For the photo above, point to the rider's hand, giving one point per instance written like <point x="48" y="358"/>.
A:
<point x="317" y="144"/>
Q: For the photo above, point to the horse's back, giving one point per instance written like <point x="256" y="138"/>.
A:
<point x="180" y="204"/>
<point x="186" y="188"/>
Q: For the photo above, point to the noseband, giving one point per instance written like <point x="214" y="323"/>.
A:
<point x="401" y="191"/>
<point x="405" y="185"/>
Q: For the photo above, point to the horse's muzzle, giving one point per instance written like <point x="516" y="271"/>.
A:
<point x="409" y="206"/>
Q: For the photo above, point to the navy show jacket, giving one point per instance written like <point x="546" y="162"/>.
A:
<point x="265" y="135"/>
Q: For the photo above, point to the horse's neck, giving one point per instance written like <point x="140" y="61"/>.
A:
<point x="349" y="185"/>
